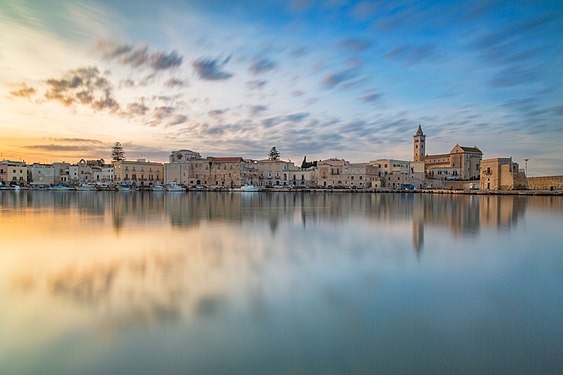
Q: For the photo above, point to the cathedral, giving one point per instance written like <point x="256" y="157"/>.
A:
<point x="462" y="163"/>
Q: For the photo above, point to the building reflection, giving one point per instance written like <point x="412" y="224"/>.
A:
<point x="462" y="215"/>
<point x="153" y="278"/>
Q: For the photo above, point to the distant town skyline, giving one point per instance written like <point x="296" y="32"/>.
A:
<point x="327" y="78"/>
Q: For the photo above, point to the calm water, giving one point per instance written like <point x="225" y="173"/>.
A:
<point x="242" y="283"/>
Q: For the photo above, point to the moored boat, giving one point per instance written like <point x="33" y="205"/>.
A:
<point x="124" y="187"/>
<point x="248" y="188"/>
<point x="157" y="188"/>
<point x="85" y="186"/>
<point x="174" y="187"/>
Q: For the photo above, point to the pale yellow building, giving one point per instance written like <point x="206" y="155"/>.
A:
<point x="502" y="174"/>
<point x="16" y="172"/>
<point x="140" y="172"/>
<point x="275" y="172"/>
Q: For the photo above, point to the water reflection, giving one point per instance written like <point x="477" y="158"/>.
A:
<point x="315" y="283"/>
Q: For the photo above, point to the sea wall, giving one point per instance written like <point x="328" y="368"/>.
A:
<point x="545" y="183"/>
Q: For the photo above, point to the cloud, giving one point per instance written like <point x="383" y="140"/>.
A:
<point x="177" y="119"/>
<point x="255" y="109"/>
<point x="137" y="109"/>
<point x="139" y="57"/>
<point x="371" y="97"/>
<point x="127" y="83"/>
<point x="53" y="147"/>
<point x="276" y="120"/>
<point x="296" y="117"/>
<point x="217" y="113"/>
<point x="24" y="91"/>
<point x="211" y="69"/>
<point x="174" y="82"/>
<point x="256" y="84"/>
<point x="160" y="114"/>
<point x="75" y="140"/>
<point x="260" y="66"/>
<point x="334" y="79"/>
<point x="411" y="54"/>
<point x="512" y="76"/>
<point x="298" y="93"/>
<point x="354" y="44"/>
<point x="84" y="86"/>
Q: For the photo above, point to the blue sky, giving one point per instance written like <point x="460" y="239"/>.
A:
<point x="334" y="78"/>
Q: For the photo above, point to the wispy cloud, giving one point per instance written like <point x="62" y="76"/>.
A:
<point x="261" y="65"/>
<point x="413" y="54"/>
<point x="256" y="84"/>
<point x="371" y="97"/>
<point x="255" y="109"/>
<point x="24" y="91"/>
<point x="140" y="56"/>
<point x="334" y="79"/>
<point x="175" y="82"/>
<point x="211" y="69"/>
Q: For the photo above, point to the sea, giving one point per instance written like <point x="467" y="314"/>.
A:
<point x="280" y="283"/>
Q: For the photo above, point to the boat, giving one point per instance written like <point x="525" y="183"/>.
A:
<point x="248" y="188"/>
<point x="85" y="186"/>
<point x="124" y="187"/>
<point x="60" y="187"/>
<point x="157" y="188"/>
<point x="174" y="187"/>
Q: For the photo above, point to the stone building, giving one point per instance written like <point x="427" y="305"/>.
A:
<point x="461" y="163"/>
<point x="501" y="174"/>
<point x="182" y="168"/>
<point x="13" y="172"/>
<point x="140" y="172"/>
<point x="392" y="172"/>
<point x="330" y="172"/>
<point x="3" y="171"/>
<point x="41" y="174"/>
<point x="275" y="172"/>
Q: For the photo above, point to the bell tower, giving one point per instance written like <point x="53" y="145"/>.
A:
<point x="419" y="145"/>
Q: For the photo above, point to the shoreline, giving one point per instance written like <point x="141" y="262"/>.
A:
<point x="321" y="190"/>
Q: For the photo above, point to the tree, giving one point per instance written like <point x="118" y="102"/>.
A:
<point x="274" y="154"/>
<point x="117" y="153"/>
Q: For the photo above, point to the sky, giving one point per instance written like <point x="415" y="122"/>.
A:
<point x="326" y="78"/>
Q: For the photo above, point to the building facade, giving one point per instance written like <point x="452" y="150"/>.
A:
<point x="41" y="174"/>
<point x="461" y="163"/>
<point x="140" y="172"/>
<point x="502" y="174"/>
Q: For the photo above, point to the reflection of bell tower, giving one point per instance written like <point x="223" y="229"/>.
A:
<point x="417" y="235"/>
<point x="419" y="145"/>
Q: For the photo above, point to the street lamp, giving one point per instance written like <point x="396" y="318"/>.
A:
<point x="526" y="167"/>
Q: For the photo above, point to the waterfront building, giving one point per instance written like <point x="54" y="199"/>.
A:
<point x="275" y="172"/>
<point x="225" y="171"/>
<point x="140" y="172"/>
<point x="184" y="167"/>
<point x="502" y="174"/>
<point x="3" y="171"/>
<point x="330" y="172"/>
<point x="14" y="171"/>
<point x="62" y="172"/>
<point x="392" y="172"/>
<point x="303" y="177"/>
<point x="461" y="163"/>
<point x="41" y="174"/>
